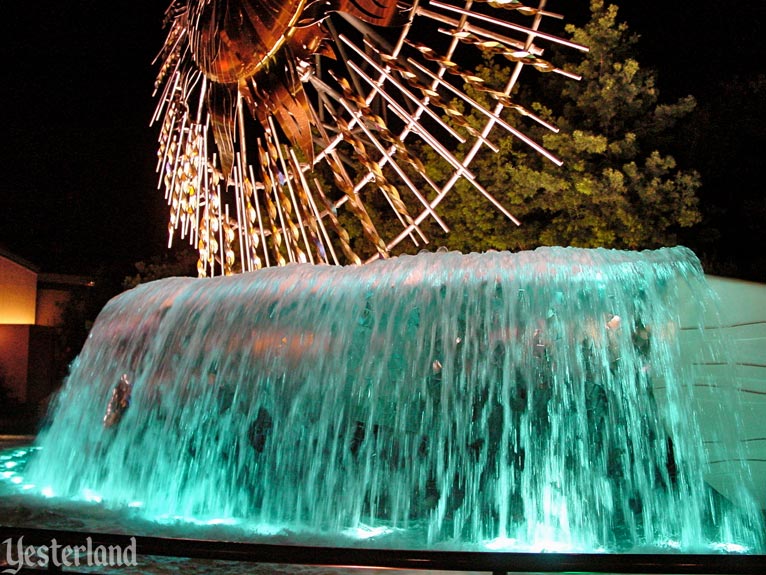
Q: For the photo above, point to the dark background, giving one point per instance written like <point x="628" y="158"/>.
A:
<point x="79" y="188"/>
<point x="78" y="185"/>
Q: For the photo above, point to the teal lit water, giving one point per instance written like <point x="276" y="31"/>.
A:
<point x="499" y="401"/>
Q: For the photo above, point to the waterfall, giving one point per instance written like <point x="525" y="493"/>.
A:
<point x="500" y="400"/>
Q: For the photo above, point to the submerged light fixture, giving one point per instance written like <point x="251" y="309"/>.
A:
<point x="283" y="121"/>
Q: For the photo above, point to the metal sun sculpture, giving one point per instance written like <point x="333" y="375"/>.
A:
<point x="257" y="95"/>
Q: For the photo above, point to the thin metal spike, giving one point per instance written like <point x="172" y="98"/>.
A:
<point x="522" y="9"/>
<point x="450" y="50"/>
<point x="321" y="224"/>
<point x="260" y="219"/>
<point x="202" y="94"/>
<point x="367" y="30"/>
<point x="425" y="134"/>
<point x="162" y="160"/>
<point x="280" y="211"/>
<point x="221" y="253"/>
<point x="204" y="178"/>
<point x="342" y="233"/>
<point x="284" y="201"/>
<point x="479" y="31"/>
<point x="520" y="135"/>
<point x="177" y="158"/>
<point x="181" y="34"/>
<point x="355" y="118"/>
<point x="301" y="226"/>
<point x="343" y="54"/>
<point x="375" y="174"/>
<point x="494" y="47"/>
<point x="403" y="89"/>
<point x="500" y="96"/>
<point x="271" y="208"/>
<point x="303" y="191"/>
<point x="238" y="202"/>
<point x="241" y="158"/>
<point x="390" y="159"/>
<point x="531" y="32"/>
<point x="456" y="176"/>
<point x="164" y="100"/>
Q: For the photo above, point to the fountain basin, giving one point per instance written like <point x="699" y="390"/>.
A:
<point x="734" y="314"/>
<point x="540" y="401"/>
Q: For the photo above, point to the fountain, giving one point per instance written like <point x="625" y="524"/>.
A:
<point x="537" y="401"/>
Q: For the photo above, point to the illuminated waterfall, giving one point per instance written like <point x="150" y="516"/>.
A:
<point x="487" y="400"/>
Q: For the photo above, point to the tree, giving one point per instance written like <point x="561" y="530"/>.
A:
<point x="81" y="309"/>
<point x="616" y="187"/>
<point x="179" y="262"/>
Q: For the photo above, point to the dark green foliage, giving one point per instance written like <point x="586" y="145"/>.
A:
<point x="617" y="187"/>
<point x="179" y="262"/>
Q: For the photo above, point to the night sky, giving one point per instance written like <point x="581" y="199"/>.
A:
<point x="78" y="154"/>
<point x="79" y="189"/>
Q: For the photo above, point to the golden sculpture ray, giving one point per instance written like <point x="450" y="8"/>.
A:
<point x="322" y="90"/>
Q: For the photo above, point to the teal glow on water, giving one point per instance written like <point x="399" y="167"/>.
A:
<point x="500" y="401"/>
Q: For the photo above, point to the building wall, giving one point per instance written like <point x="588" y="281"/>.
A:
<point x="42" y="378"/>
<point x="50" y="304"/>
<point x="14" y="359"/>
<point x="31" y="306"/>
<point x="18" y="286"/>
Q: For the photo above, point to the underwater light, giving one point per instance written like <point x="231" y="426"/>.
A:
<point x="540" y="545"/>
<point x="166" y="519"/>
<point x="730" y="547"/>
<point x="501" y="544"/>
<point x="222" y="521"/>
<point x="47" y="492"/>
<point x="367" y="532"/>
<point x="91" y="496"/>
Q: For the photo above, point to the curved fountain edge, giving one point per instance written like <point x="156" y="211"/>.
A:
<point x="494" y="562"/>
<point x="742" y="320"/>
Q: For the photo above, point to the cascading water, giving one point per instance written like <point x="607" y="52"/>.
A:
<point x="498" y="400"/>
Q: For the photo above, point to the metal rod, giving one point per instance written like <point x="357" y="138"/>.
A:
<point x="520" y="135"/>
<point x="295" y="203"/>
<point x="321" y="223"/>
<point x="388" y="158"/>
<point x="396" y="168"/>
<point x="260" y="220"/>
<point x="533" y="32"/>
<point x="474" y="150"/>
<point x="238" y="200"/>
<point x="432" y="141"/>
<point x="312" y="209"/>
<point x="403" y="89"/>
<point x="479" y="31"/>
